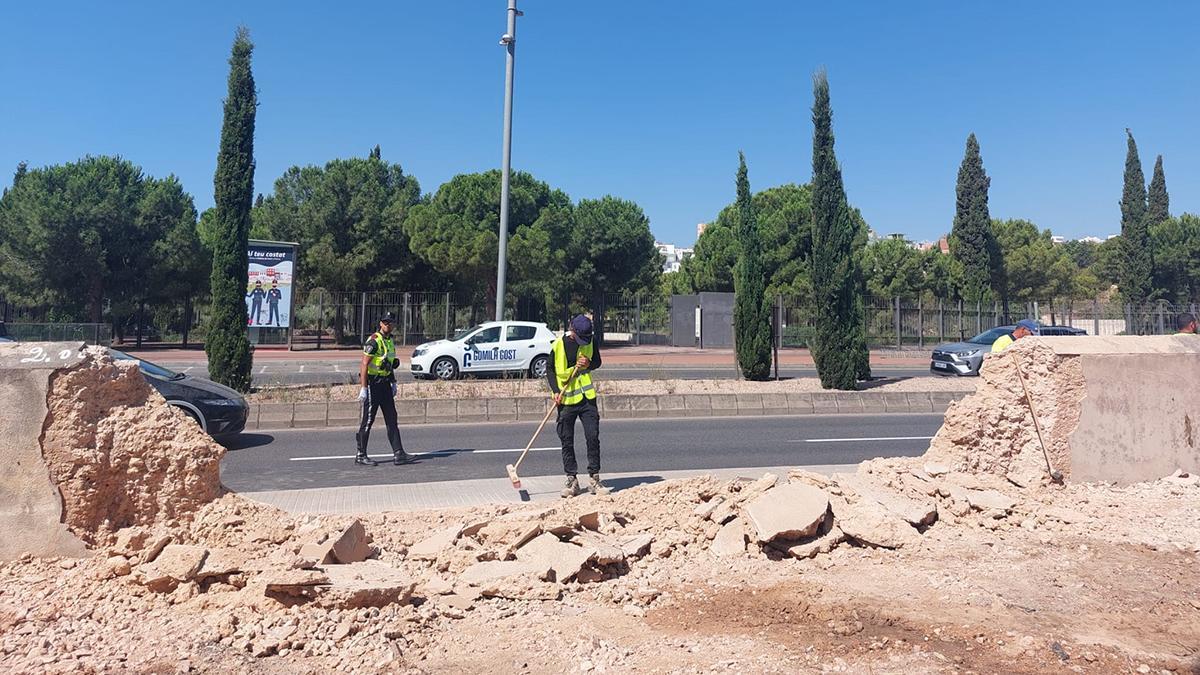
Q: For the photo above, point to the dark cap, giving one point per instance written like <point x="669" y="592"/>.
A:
<point x="583" y="329"/>
<point x="387" y="317"/>
<point x="1028" y="325"/>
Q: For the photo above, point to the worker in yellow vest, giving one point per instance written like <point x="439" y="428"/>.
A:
<point x="378" y="379"/>
<point x="1024" y="328"/>
<point x="576" y="400"/>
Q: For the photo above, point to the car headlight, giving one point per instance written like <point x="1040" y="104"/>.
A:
<point x="965" y="354"/>
<point x="419" y="352"/>
<point x="224" y="402"/>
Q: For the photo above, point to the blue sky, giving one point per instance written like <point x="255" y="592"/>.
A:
<point x="649" y="101"/>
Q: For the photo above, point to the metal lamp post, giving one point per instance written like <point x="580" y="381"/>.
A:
<point x="509" y="40"/>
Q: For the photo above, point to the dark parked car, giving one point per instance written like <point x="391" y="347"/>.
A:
<point x="218" y="409"/>
<point x="965" y="358"/>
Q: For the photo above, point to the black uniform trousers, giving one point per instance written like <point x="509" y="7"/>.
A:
<point x="588" y="412"/>
<point x="379" y="397"/>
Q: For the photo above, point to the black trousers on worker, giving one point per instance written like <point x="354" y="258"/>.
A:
<point x="273" y="314"/>
<point x="379" y="397"/>
<point x="587" y="412"/>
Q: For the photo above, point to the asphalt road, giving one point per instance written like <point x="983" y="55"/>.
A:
<point x="346" y="372"/>
<point x="298" y="459"/>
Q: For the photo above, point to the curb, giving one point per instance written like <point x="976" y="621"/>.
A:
<point x="624" y="406"/>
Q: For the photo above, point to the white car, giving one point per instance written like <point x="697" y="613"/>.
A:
<point x="493" y="347"/>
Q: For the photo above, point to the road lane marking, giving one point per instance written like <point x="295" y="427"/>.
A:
<point x="425" y="454"/>
<point x="874" y="438"/>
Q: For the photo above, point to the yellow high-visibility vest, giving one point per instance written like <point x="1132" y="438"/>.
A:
<point x="1004" y="342"/>
<point x="581" y="387"/>
<point x="381" y="361"/>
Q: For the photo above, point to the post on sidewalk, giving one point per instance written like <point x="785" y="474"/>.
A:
<point x="404" y="323"/>
<point x="776" y="331"/>
<point x="637" y="332"/>
<point x="447" y="335"/>
<point x="896" y="318"/>
<point x="362" y="319"/>
<point x="941" y="320"/>
<point x="320" y="317"/>
<point x="920" y="322"/>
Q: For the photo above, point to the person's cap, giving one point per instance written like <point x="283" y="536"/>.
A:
<point x="387" y="317"/>
<point x="583" y="329"/>
<point x="1028" y="325"/>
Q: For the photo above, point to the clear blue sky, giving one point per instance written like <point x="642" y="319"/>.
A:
<point x="649" y="101"/>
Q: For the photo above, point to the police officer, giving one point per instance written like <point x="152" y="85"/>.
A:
<point x="576" y="400"/>
<point x="256" y="297"/>
<point x="378" y="379"/>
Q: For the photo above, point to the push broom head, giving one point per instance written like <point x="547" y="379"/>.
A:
<point x="512" y="476"/>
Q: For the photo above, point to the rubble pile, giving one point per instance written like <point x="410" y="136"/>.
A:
<point x="184" y="578"/>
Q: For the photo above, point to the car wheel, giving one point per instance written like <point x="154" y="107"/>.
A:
<point x="192" y="414"/>
<point x="445" y="368"/>
<point x="537" y="369"/>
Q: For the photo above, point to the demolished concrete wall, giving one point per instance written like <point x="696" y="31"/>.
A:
<point x="1116" y="409"/>
<point x="87" y="447"/>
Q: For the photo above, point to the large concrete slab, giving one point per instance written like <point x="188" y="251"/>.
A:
<point x="1123" y="344"/>
<point x="30" y="503"/>
<point x="1140" y="416"/>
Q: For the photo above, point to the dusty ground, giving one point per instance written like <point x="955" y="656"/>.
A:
<point x="958" y="562"/>
<point x="491" y="388"/>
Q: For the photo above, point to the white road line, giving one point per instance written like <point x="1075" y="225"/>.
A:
<point x="302" y="369"/>
<point x="262" y="370"/>
<point x="423" y="454"/>
<point x="851" y="440"/>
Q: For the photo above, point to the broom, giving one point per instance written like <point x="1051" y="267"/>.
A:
<point x="512" y="468"/>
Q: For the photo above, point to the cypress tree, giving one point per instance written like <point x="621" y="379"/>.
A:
<point x="1158" y="202"/>
<point x="751" y="314"/>
<point x="1137" y="267"/>
<point x="836" y="340"/>
<point x="971" y="240"/>
<point x="229" y="356"/>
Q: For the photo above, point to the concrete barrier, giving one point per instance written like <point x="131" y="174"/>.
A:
<point x="616" y="406"/>
<point x="31" y="506"/>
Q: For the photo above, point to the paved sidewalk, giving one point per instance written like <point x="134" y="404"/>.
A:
<point x="462" y="493"/>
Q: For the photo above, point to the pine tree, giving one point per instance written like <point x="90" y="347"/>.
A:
<point x="836" y="290"/>
<point x="1137" y="267"/>
<point x="229" y="355"/>
<point x="752" y="319"/>
<point x="971" y="240"/>
<point x="1158" y="202"/>
<point x="376" y="153"/>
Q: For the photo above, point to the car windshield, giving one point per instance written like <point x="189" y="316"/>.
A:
<point x="464" y="332"/>
<point x="988" y="337"/>
<point x="147" y="368"/>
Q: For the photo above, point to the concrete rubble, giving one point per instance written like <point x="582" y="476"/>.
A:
<point x="873" y="570"/>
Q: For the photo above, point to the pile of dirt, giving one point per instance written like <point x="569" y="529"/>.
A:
<point x="118" y="454"/>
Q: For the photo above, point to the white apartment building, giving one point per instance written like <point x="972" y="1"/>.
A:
<point x="673" y="256"/>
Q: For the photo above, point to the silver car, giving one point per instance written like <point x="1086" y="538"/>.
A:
<point x="965" y="358"/>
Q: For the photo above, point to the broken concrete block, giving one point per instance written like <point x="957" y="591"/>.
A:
<point x="935" y="469"/>
<point x="731" y="540"/>
<point x="438" y="586"/>
<point x="809" y="478"/>
<point x="316" y="554"/>
<point x="790" y="511"/>
<point x="459" y="602"/>
<point x="605" y="551"/>
<point x="990" y="500"/>
<point x="869" y="523"/>
<point x="589" y="575"/>
<point x="220" y="562"/>
<point x="637" y="545"/>
<point x="130" y="540"/>
<point x="494" y="570"/>
<point x="593" y="521"/>
<point x="509" y="533"/>
<point x="810" y="549"/>
<point x="369" y="583"/>
<point x="1062" y="515"/>
<point x="154" y="547"/>
<point x="528" y="586"/>
<point x="565" y="560"/>
<point x="916" y="511"/>
<point x="296" y="583"/>
<point x="706" y="508"/>
<point x="176" y="564"/>
<point x="352" y="544"/>
<point x="474" y="528"/>
<point x="431" y="547"/>
<point x="723" y="513"/>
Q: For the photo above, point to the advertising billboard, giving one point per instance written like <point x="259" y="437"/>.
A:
<point x="269" y="284"/>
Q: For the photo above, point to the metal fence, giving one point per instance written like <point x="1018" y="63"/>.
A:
<point x="901" y="323"/>
<point x="89" y="333"/>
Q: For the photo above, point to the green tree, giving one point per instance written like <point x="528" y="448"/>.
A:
<point x="610" y="249"/>
<point x="972" y="242"/>
<point x="1034" y="267"/>
<point x="1137" y="265"/>
<point x="784" y="216"/>
<point x="893" y="269"/>
<point x="714" y="256"/>
<point x="752" y="310"/>
<point x="456" y="232"/>
<point x="1176" y="243"/>
<point x="348" y="217"/>
<point x="80" y="236"/>
<point x="840" y="331"/>
<point x="181" y="265"/>
<point x="1158" y="202"/>
<point x="942" y="275"/>
<point x="228" y="349"/>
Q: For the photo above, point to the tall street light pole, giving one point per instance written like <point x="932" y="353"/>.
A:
<point x="509" y="40"/>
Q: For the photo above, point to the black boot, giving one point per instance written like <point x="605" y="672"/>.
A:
<point x="401" y="457"/>
<point x="364" y="460"/>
